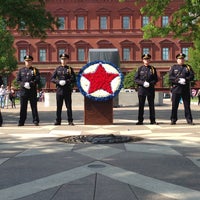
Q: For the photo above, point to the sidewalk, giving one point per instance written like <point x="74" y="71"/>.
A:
<point x="165" y="165"/>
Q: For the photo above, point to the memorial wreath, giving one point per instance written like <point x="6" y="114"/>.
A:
<point x="100" y="80"/>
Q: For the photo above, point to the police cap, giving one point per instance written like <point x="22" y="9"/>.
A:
<point x="180" y="55"/>
<point x="146" y="56"/>
<point x="64" y="56"/>
<point x="28" y="57"/>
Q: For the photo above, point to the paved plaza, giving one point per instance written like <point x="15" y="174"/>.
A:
<point x="165" y="165"/>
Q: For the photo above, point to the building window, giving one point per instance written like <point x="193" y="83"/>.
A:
<point x="185" y="50"/>
<point x="22" y="25"/>
<point x="165" y="53"/>
<point x="22" y="53"/>
<point x="165" y="21"/>
<point x="80" y="23"/>
<point x="145" y="51"/>
<point x="81" y="54"/>
<point x="61" y="21"/>
<point x="145" y="20"/>
<point x="126" y="22"/>
<point x="42" y="55"/>
<point x="43" y="81"/>
<point x="103" y="22"/>
<point x="60" y="51"/>
<point x="126" y="54"/>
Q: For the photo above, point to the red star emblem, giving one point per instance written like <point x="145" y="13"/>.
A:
<point x="100" y="79"/>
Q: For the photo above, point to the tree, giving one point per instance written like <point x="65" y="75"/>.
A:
<point x="27" y="16"/>
<point x="166" y="82"/>
<point x="8" y="62"/>
<point x="184" y="24"/>
<point x="195" y="59"/>
<point x="129" y="80"/>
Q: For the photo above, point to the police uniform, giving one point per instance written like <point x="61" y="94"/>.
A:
<point x="146" y="78"/>
<point x="28" y="78"/>
<point x="180" y="77"/>
<point x="64" y="78"/>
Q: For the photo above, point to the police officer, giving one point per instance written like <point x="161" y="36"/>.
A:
<point x="64" y="78"/>
<point x="28" y="77"/>
<point x="146" y="78"/>
<point x="180" y="76"/>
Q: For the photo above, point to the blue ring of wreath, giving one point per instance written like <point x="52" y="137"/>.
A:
<point x="99" y="98"/>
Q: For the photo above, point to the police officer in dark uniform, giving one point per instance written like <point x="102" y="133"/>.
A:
<point x="180" y="76"/>
<point x="64" y="78"/>
<point x="1" y="118"/>
<point x="28" y="77"/>
<point x="146" y="78"/>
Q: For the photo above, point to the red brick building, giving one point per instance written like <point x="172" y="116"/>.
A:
<point x="87" y="24"/>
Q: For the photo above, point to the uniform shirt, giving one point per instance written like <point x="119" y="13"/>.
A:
<point x="149" y="74"/>
<point x="64" y="73"/>
<point x="30" y="75"/>
<point x="181" y="71"/>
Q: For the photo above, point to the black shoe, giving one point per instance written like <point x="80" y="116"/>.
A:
<point x="20" y="124"/>
<point x="71" y="124"/>
<point x="154" y="123"/>
<point x="57" y="123"/>
<point x="173" y="123"/>
<point x="0" y="125"/>
<point x="139" y="123"/>
<point x="36" y="123"/>
<point x="190" y="122"/>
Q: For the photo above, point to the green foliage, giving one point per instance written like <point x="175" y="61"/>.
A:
<point x="166" y="82"/>
<point x="15" y="84"/>
<point x="194" y="60"/>
<point x="8" y="62"/>
<point x="129" y="80"/>
<point x="184" y="24"/>
<point x="27" y="16"/>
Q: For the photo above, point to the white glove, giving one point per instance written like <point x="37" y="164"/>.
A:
<point x="62" y="82"/>
<point x="181" y="81"/>
<point x="146" y="84"/>
<point x="27" y="85"/>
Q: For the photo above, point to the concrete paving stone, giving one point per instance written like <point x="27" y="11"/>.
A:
<point x="29" y="168"/>
<point x="83" y="146"/>
<point x="164" y="166"/>
<point x="188" y="151"/>
<point x="43" y="195"/>
<point x="174" y="169"/>
<point x="4" y="153"/>
<point x="46" y="149"/>
<point x="154" y="185"/>
<point x="147" y="148"/>
<point x="38" y="185"/>
<point x="107" y="188"/>
<point x="2" y="160"/>
<point x="147" y="195"/>
<point x="83" y="189"/>
<point x="195" y="160"/>
<point x="99" y="151"/>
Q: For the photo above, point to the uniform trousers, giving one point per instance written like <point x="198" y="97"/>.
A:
<point x="175" y="103"/>
<point x="67" y="97"/>
<point x="23" y="109"/>
<point x="150" y="99"/>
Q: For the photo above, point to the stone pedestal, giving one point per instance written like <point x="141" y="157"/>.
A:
<point x="98" y="112"/>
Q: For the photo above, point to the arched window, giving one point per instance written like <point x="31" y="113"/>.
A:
<point x="23" y="48"/>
